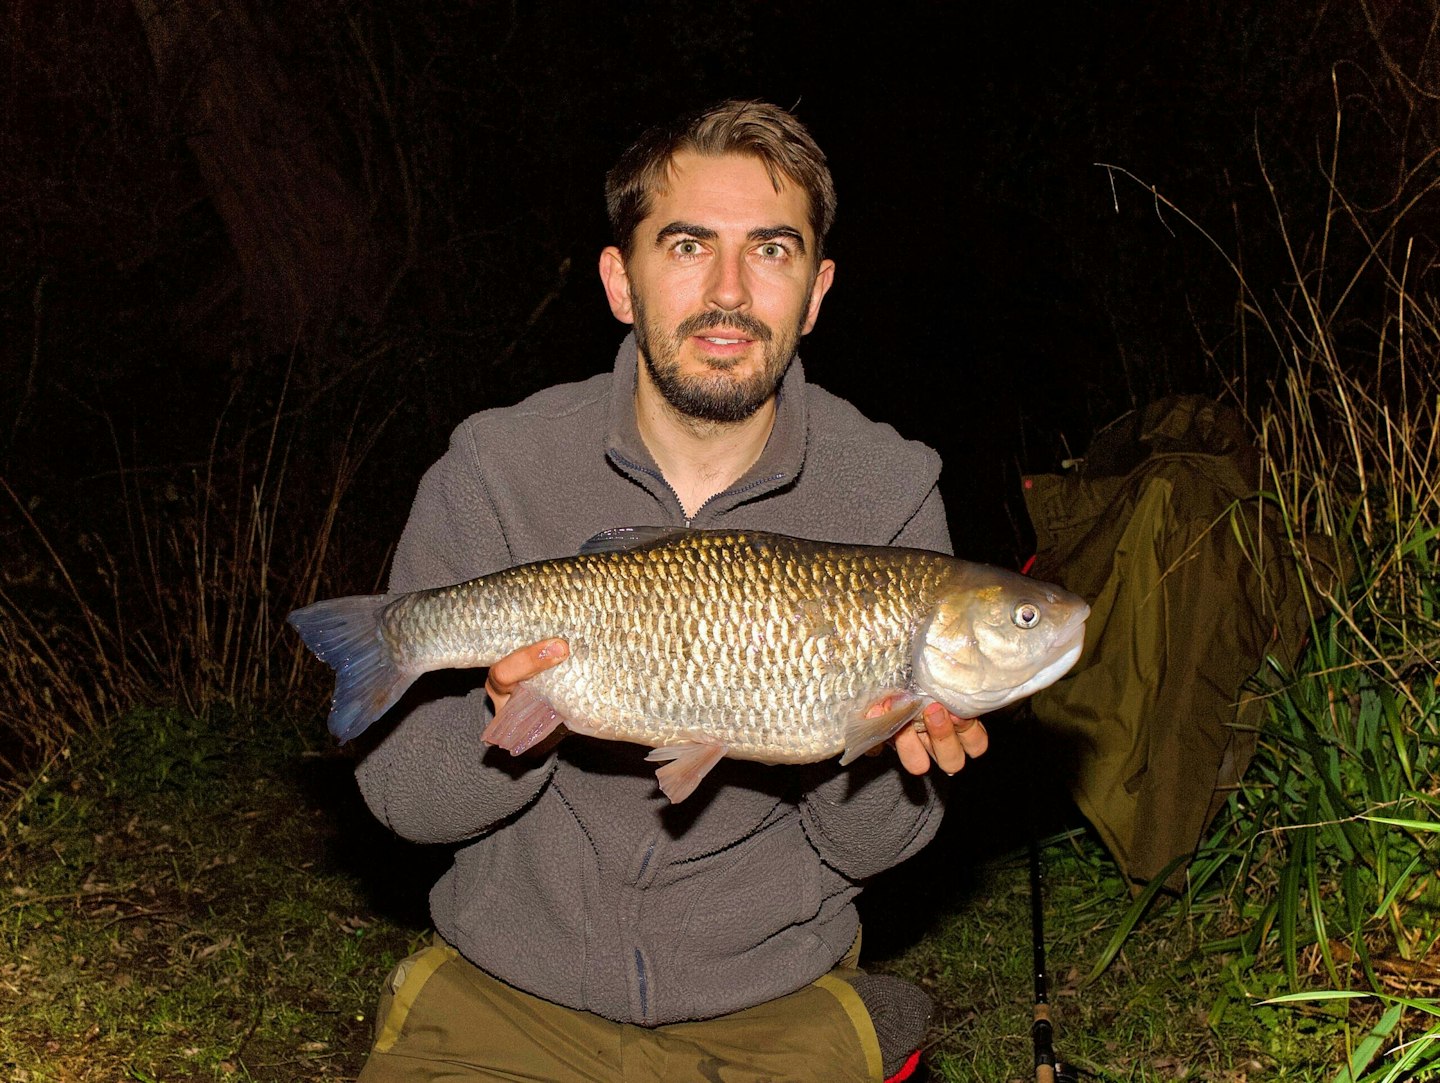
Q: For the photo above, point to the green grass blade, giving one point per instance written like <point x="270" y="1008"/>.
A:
<point x="1369" y="1047"/>
<point x="1131" y="918"/>
<point x="1409" y="825"/>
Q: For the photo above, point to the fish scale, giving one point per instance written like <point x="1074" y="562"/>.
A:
<point x="761" y="646"/>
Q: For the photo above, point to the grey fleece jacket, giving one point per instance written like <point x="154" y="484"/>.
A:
<point x="576" y="880"/>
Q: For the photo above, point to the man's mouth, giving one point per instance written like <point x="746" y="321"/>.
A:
<point x="724" y="328"/>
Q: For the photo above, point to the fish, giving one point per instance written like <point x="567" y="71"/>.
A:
<point x="704" y="644"/>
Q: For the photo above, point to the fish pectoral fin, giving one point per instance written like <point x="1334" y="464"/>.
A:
<point x="526" y="719"/>
<point x="688" y="764"/>
<point x="863" y="734"/>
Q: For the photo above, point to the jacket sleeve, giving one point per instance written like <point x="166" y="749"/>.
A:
<point x="432" y="778"/>
<point x="864" y="818"/>
<point x="927" y="528"/>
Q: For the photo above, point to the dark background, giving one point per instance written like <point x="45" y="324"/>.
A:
<point x="992" y="298"/>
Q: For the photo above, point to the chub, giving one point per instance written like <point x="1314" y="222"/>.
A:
<point x="711" y="643"/>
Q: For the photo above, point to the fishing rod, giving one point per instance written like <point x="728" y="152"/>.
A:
<point x="1048" y="1067"/>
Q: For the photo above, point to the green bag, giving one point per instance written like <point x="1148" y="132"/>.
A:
<point x="1155" y="721"/>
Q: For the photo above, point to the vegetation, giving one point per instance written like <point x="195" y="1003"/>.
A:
<point x="1319" y="889"/>
<point x="1328" y="858"/>
<point x="175" y="907"/>
<point x="211" y="901"/>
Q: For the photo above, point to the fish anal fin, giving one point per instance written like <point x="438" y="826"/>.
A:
<point x="863" y="734"/>
<point x="687" y="765"/>
<point x="526" y="719"/>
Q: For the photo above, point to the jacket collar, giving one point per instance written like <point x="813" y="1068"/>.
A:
<point x="780" y="463"/>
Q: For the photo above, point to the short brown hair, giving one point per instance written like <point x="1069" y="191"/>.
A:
<point x="759" y="129"/>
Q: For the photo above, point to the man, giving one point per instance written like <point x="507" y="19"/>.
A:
<point x="588" y="930"/>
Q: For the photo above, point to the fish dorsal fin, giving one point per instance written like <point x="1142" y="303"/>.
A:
<point x="620" y="538"/>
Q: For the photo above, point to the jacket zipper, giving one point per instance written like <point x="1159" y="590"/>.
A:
<point x="671" y="489"/>
<point x="642" y="982"/>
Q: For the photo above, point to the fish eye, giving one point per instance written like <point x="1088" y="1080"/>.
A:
<point x="1026" y="615"/>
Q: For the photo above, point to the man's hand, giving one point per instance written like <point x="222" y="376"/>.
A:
<point x="520" y="666"/>
<point x="946" y="739"/>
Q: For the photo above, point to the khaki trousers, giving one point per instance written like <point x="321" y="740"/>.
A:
<point x="443" y="1019"/>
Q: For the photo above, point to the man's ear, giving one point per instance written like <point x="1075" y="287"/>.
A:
<point x="617" y="284"/>
<point x="824" y="278"/>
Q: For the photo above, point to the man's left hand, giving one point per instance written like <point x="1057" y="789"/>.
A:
<point x="945" y="739"/>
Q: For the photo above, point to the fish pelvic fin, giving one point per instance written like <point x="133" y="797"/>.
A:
<point x="863" y="734"/>
<point x="687" y="765"/>
<point x="526" y="719"/>
<point x="345" y="634"/>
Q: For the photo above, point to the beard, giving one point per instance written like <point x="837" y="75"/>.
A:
<point x="716" y="395"/>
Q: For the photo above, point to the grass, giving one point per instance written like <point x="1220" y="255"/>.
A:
<point x="178" y="904"/>
<point x="211" y="901"/>
<point x="176" y="590"/>
<point x="1169" y="1007"/>
<point x="1321" y="883"/>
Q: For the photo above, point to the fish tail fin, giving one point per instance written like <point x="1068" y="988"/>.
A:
<point x="345" y="634"/>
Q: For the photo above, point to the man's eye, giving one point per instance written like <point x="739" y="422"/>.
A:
<point x="687" y="248"/>
<point x="773" y="251"/>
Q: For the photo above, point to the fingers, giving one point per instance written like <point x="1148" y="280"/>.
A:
<point x="520" y="666"/>
<point x="913" y="750"/>
<point x="973" y="736"/>
<point x="946" y="740"/>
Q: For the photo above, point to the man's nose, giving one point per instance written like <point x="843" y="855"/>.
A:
<point x="729" y="285"/>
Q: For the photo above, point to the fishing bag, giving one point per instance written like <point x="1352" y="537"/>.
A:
<point x="1161" y="529"/>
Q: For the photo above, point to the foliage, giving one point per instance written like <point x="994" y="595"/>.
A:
<point x="192" y="901"/>
<point x="1335" y="833"/>
<point x="1323" y="869"/>
<point x="176" y="592"/>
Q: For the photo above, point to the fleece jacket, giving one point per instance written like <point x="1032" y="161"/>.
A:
<point x="573" y="878"/>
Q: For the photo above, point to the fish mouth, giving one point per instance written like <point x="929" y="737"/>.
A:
<point x="1061" y="666"/>
<point x="1071" y="642"/>
<point x="1074" y="628"/>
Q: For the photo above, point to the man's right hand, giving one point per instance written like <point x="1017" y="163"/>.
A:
<point x="520" y="666"/>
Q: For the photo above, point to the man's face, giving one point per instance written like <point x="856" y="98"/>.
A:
<point x="721" y="283"/>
